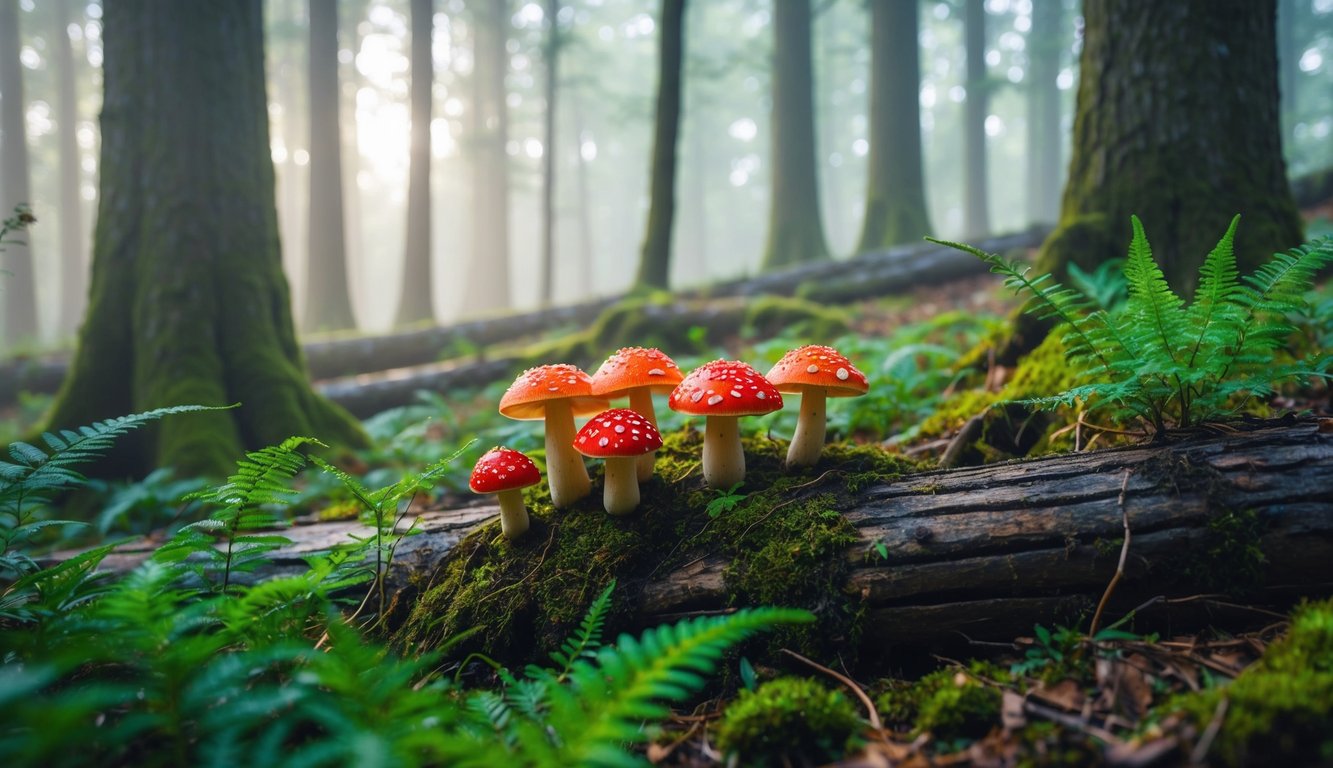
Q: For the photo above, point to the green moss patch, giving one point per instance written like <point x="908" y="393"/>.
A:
<point x="789" y="721"/>
<point x="783" y="541"/>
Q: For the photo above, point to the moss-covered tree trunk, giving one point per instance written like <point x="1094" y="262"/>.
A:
<point x="655" y="260"/>
<point x="1177" y="122"/>
<point x="896" y="196"/>
<point x="18" y="288"/>
<point x="328" y="305"/>
<point x="1045" y="43"/>
<point x="188" y="301"/>
<point x="976" y="194"/>
<point x="415" y="304"/>
<point x="488" y="275"/>
<point x="795" y="234"/>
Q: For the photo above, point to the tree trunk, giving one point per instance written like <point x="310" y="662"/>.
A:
<point x="1177" y="121"/>
<point x="19" y="286"/>
<point x="795" y="234"/>
<point x="987" y="552"/>
<point x="352" y="82"/>
<point x="188" y="301"/>
<point x="976" y="195"/>
<point x="896" y="209"/>
<point x="655" y="260"/>
<point x="1044" y="45"/>
<point x="73" y="265"/>
<point x="488" y="278"/>
<point x="547" y="293"/>
<point x="586" y="256"/>
<point x="415" y="305"/>
<point x="328" y="305"/>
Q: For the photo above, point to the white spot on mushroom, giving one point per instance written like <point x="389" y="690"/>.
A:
<point x="697" y="396"/>
<point x="656" y="372"/>
<point x="842" y="374"/>
<point x="620" y="429"/>
<point x="812" y="368"/>
<point x="735" y="393"/>
<point x="603" y="442"/>
<point x="715" y="399"/>
<point x="761" y="395"/>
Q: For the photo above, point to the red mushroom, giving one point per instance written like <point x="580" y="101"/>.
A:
<point x="815" y="373"/>
<point x="638" y="373"/>
<point x="505" y="473"/>
<point x="620" y="436"/>
<point x="556" y="393"/>
<point x="722" y="391"/>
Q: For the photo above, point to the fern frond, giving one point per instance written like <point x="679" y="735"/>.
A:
<point x="588" y="637"/>
<point x="606" y="702"/>
<point x="1158" y="313"/>
<point x="261" y="477"/>
<point x="1273" y="291"/>
<point x="1214" y="316"/>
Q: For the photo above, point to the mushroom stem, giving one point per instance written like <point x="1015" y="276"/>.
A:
<point x="808" y="442"/>
<point x="621" y="495"/>
<point x="513" y="513"/>
<point x="724" y="458"/>
<point x="565" y="471"/>
<point x="641" y="402"/>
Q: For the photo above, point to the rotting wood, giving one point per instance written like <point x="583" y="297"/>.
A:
<point x="871" y="274"/>
<point x="986" y="552"/>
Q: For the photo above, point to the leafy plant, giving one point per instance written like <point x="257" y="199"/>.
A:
<point x="1155" y="359"/>
<point x="726" y="500"/>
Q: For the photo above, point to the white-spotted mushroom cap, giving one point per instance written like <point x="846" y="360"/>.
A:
<point x="526" y="398"/>
<point x="818" y="366"/>
<point x="503" y="469"/>
<point x="635" y="367"/>
<point x="725" y="388"/>
<point x="617" y="432"/>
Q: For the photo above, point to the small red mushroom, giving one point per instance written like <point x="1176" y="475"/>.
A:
<point x="722" y="391"/>
<point x="620" y="436"/>
<point x="815" y="373"/>
<point x="505" y="473"/>
<point x="556" y="393"/>
<point x="638" y="373"/>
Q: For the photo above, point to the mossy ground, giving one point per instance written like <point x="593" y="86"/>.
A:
<point x="789" y="721"/>
<point x="783" y="542"/>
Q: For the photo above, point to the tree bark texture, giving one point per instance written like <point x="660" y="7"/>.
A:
<point x="896" y="210"/>
<point x="18" y="288"/>
<point x="552" y="54"/>
<point x="73" y="264"/>
<point x="795" y="234"/>
<point x="488" y="274"/>
<point x="188" y="301"/>
<point x="976" y="195"/>
<point x="328" y="305"/>
<point x="655" y="256"/>
<point x="1045" y="43"/>
<point x="1177" y="122"/>
<point x="986" y="552"/>
<point x="415" y="304"/>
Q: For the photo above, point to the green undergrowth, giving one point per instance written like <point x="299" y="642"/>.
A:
<point x="783" y="541"/>
<point x="1280" y="710"/>
<point x="789" y="721"/>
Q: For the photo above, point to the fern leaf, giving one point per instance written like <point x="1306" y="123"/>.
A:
<point x="1156" y="308"/>
<point x="588" y="637"/>
<point x="1213" y="317"/>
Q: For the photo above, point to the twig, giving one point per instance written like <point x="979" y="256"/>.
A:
<point x="969" y="433"/>
<point x="1209" y="733"/>
<point x="845" y="680"/>
<point x="776" y="507"/>
<point x="1124" y="553"/>
<point x="1069" y="721"/>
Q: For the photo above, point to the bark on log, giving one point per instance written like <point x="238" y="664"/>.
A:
<point x="871" y="274"/>
<point x="989" y="551"/>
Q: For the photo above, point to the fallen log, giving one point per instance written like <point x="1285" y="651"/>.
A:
<point x="986" y="552"/>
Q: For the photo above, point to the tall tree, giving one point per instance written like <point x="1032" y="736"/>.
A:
<point x="188" y="301"/>
<point x="19" y="287"/>
<point x="655" y="257"/>
<point x="328" y="305"/>
<point x="548" y="151"/>
<point x="1044" y="44"/>
<point x="73" y="266"/>
<point x="1182" y="131"/>
<point x="976" y="197"/>
<point x="488" y="278"/>
<point x="795" y="233"/>
<point x="896" y="192"/>
<point x="415" y="305"/>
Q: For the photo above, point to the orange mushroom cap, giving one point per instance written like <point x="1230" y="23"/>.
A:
<point x="725" y="388"/>
<point x="815" y="365"/>
<point x="526" y="398"/>
<point x="634" y="367"/>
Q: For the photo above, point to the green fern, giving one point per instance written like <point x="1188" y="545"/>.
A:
<point x="1155" y="359"/>
<point x="588" y="637"/>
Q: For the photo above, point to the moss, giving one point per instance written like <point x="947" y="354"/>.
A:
<point x="1231" y="561"/>
<point x="951" y="703"/>
<point x="1280" y="710"/>
<point x="783" y="542"/>
<point x="773" y="315"/>
<point x="790" y="720"/>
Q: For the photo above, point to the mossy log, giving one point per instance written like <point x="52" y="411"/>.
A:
<point x="986" y="552"/>
<point x="870" y="274"/>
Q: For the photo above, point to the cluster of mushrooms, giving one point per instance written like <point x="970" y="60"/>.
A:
<point x="627" y="438"/>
